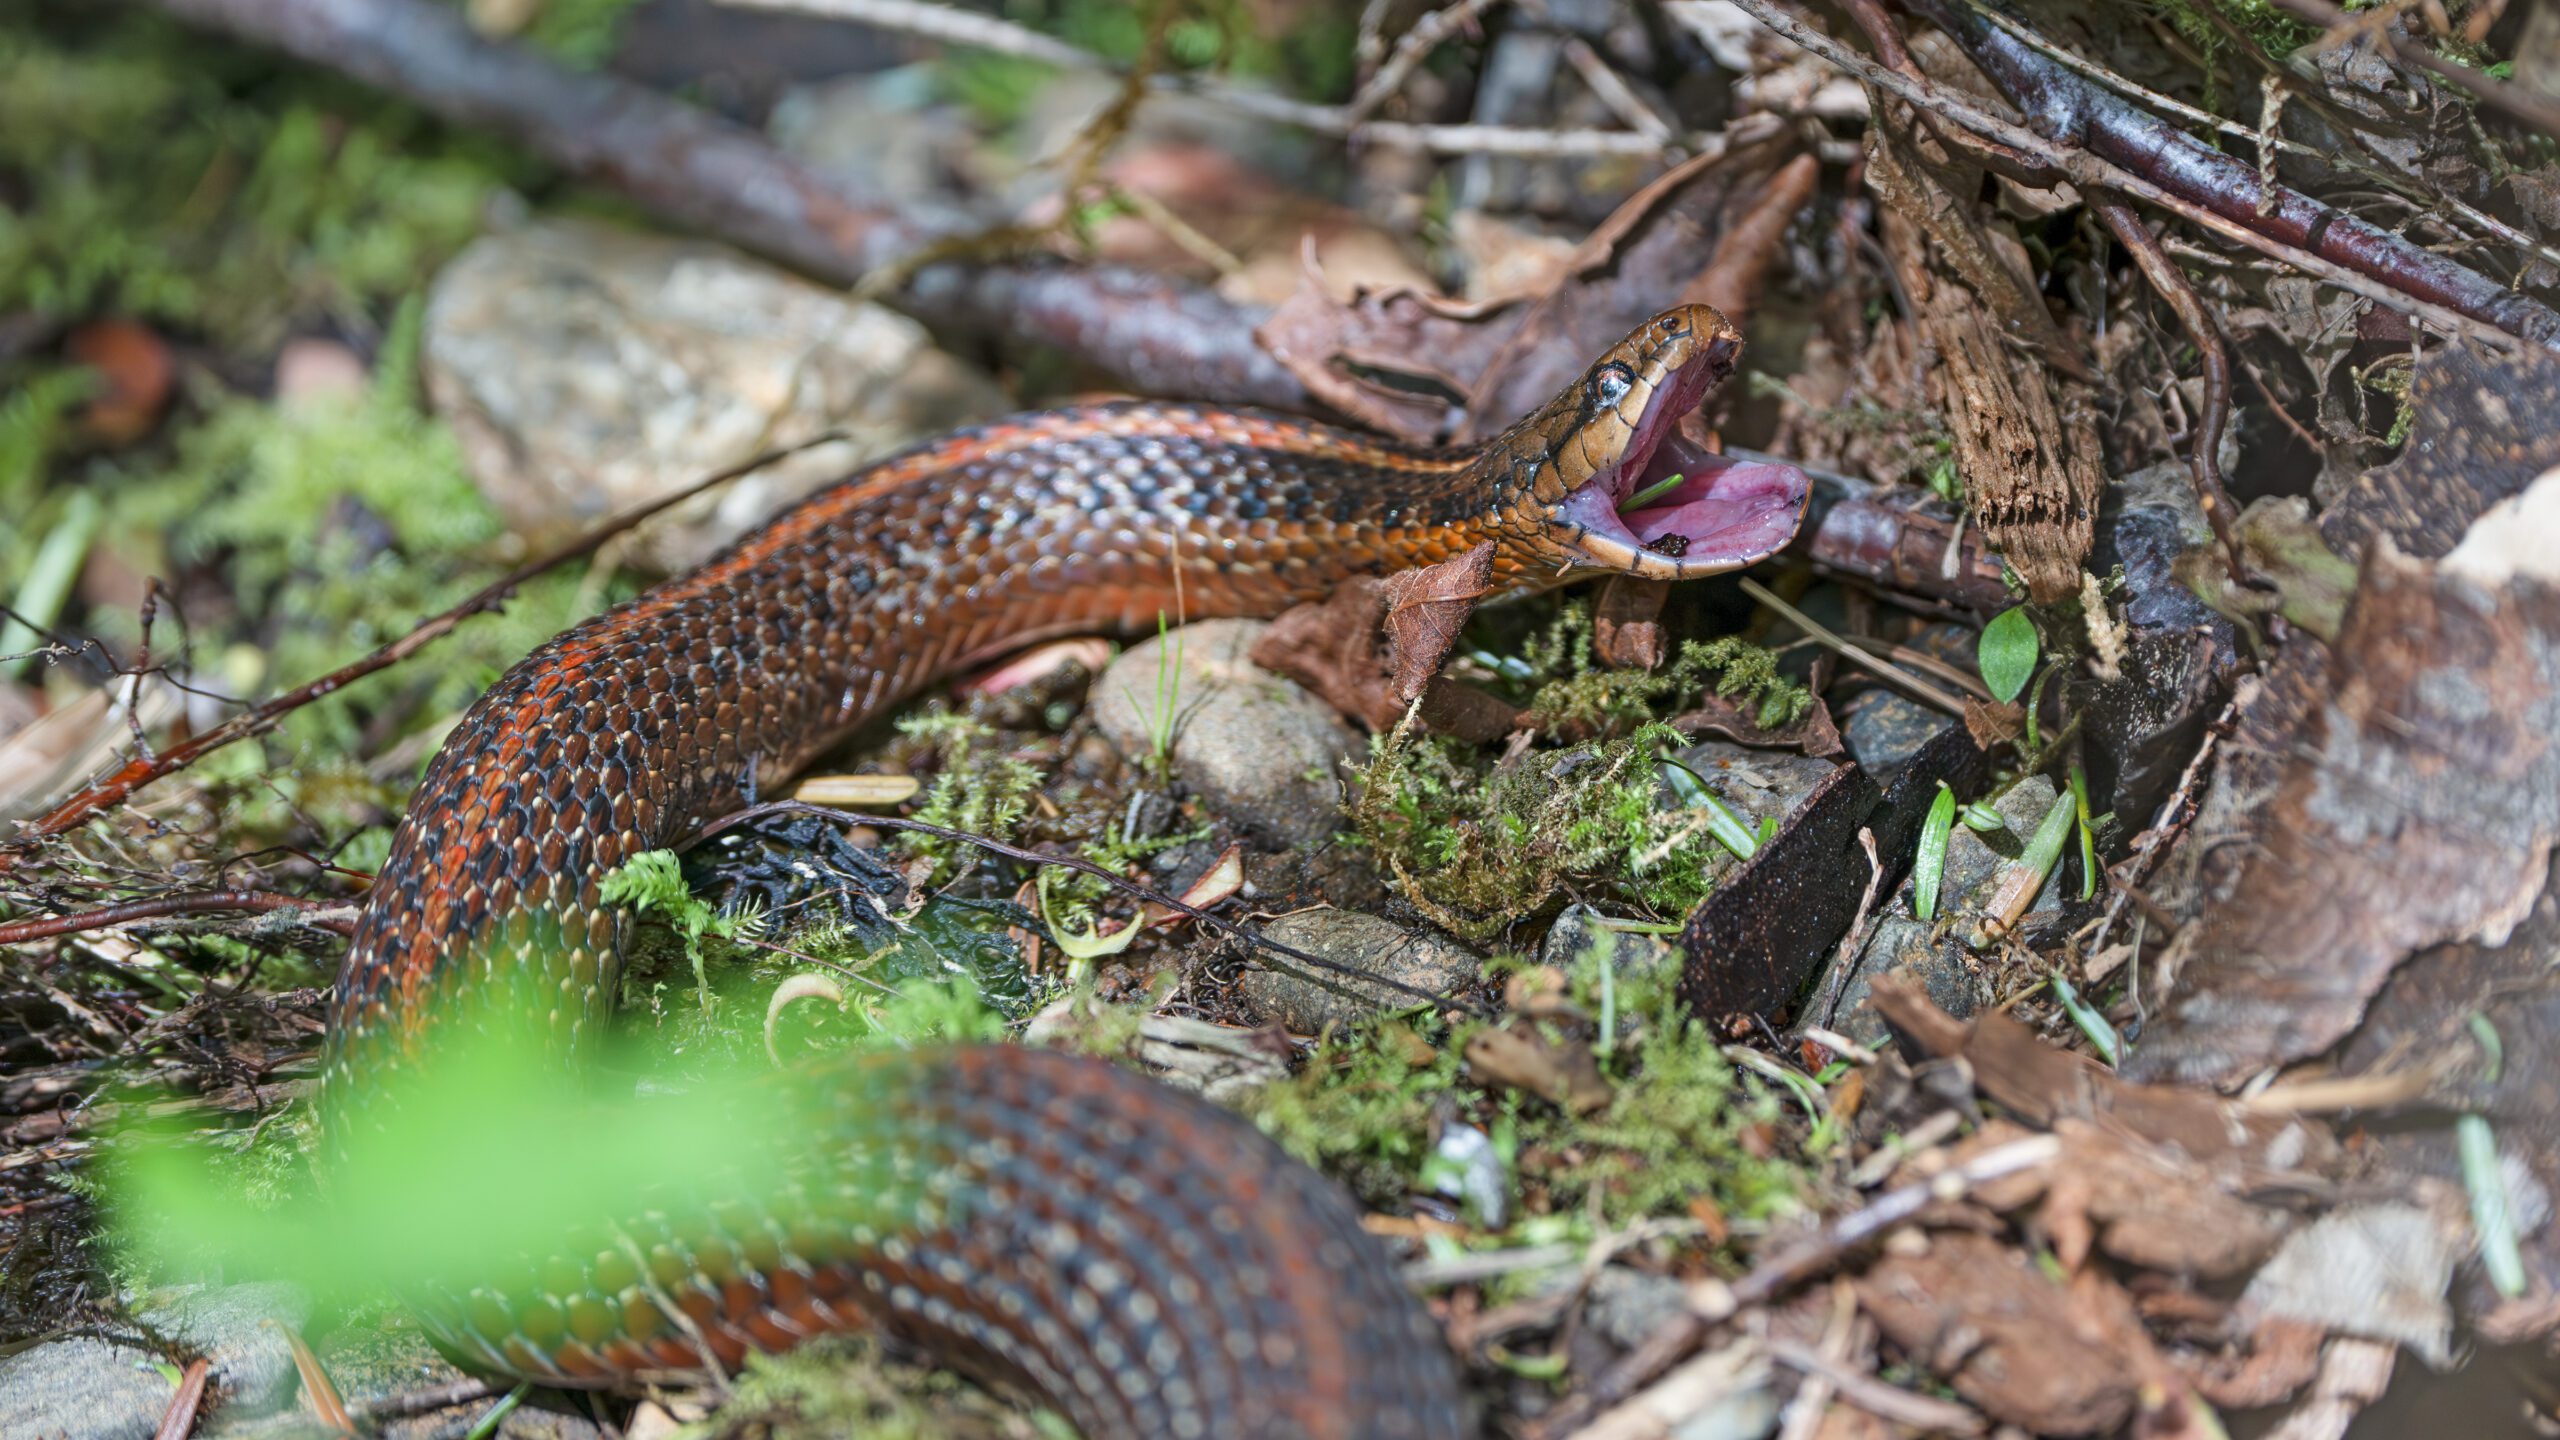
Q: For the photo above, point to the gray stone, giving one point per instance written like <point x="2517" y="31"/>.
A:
<point x="1887" y="729"/>
<point x="1756" y="785"/>
<point x="1419" y="958"/>
<point x="1629" y="1307"/>
<point x="1936" y="953"/>
<point x="588" y="369"/>
<point x="1256" y="748"/>
<point x="240" y="1328"/>
<point x="1577" y="932"/>
<point x="82" y="1389"/>
<point x="1761" y="784"/>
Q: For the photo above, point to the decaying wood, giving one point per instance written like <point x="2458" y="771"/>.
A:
<point x="2026" y="430"/>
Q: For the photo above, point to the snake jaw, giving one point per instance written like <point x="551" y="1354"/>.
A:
<point x="1722" y="515"/>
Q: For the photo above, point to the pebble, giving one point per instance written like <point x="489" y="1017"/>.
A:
<point x="1257" y="749"/>
<point x="1365" y="943"/>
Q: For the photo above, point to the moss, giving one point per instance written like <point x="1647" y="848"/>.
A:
<point x="1363" y="1106"/>
<point x="974" y="791"/>
<point x="1579" y="695"/>
<point x="344" y="525"/>
<point x="843" y="1385"/>
<point x="201" y="185"/>
<point x="1497" y="845"/>
<point x="1681" y="1129"/>
<point x="579" y="33"/>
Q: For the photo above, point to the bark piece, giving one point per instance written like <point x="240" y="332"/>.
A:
<point x="2416" y="805"/>
<point x="2482" y="432"/>
<point x="2054" y="1359"/>
<point x="2044" y="1086"/>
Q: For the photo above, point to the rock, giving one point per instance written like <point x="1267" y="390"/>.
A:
<point x="1935" y="953"/>
<point x="1577" y="931"/>
<point x="1256" y="748"/>
<point x="887" y="132"/>
<point x="1419" y="958"/>
<point x="1629" y="1307"/>
<point x="1756" y="785"/>
<point x="381" y="1367"/>
<point x="1887" y="729"/>
<point x="83" y="1389"/>
<point x="587" y="369"/>
<point x="229" y="1325"/>
<point x="1761" y="784"/>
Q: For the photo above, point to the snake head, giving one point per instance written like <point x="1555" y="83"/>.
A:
<point x="1588" y="480"/>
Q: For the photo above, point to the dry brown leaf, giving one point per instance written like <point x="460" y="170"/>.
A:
<point x="2045" y="1086"/>
<point x="1338" y="649"/>
<point x="1813" y="733"/>
<point x="1626" y="622"/>
<point x="1327" y="343"/>
<point x="1426" y="609"/>
<point x="1648" y="249"/>
<point x="134" y="371"/>
<point x="2053" y="1359"/>
<point x="1516" y="1055"/>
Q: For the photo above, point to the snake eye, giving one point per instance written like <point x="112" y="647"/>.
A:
<point x="1610" y="384"/>
<point x="1674" y="324"/>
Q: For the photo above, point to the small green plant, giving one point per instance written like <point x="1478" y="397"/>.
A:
<point x="1671" y="1135"/>
<point x="974" y="791"/>
<point x="346" y="524"/>
<point x="1161" y="717"/>
<point x="2007" y="653"/>
<point x="1929" y="867"/>
<point x="652" y="883"/>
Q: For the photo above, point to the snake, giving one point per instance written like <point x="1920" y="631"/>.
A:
<point x="1144" y="1262"/>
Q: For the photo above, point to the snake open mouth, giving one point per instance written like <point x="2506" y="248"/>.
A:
<point x="1720" y="514"/>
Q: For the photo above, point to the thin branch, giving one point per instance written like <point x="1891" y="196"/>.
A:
<point x="1418" y="41"/>
<point x="258" y="719"/>
<point x="2213" y="413"/>
<point x="2263" y="136"/>
<point x="942" y="22"/>
<point x="1711" y="1302"/>
<point x="2093" y="131"/>
<point x="1899" y="679"/>
<point x="2516" y="102"/>
<point x="1614" y="92"/>
<point x="204" y="902"/>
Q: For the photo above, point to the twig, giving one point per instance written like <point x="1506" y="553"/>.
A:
<point x="1900" y="679"/>
<point x="2365" y="165"/>
<point x="1891" y="1403"/>
<point x="1613" y="91"/>
<point x="1110" y="877"/>
<point x="1418" y="41"/>
<point x="208" y="902"/>
<point x="709" y="175"/>
<point x="1712" y="1302"/>
<point x="1852" y="940"/>
<point x="942" y="22"/>
<point x="258" y="719"/>
<point x="2204" y="456"/>
<point x="2091" y="130"/>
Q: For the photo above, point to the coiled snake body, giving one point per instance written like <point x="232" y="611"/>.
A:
<point x="1140" y="1259"/>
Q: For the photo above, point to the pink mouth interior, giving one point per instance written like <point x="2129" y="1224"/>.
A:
<point x="1722" y="515"/>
